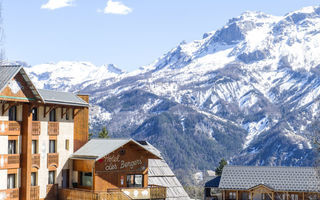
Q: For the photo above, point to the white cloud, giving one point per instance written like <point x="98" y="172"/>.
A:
<point x="117" y="7"/>
<point x="55" y="4"/>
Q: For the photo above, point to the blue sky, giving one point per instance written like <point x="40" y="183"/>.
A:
<point x="128" y="33"/>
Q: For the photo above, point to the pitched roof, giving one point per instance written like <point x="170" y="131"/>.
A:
<point x="64" y="98"/>
<point x="213" y="182"/>
<point x="7" y="72"/>
<point x="160" y="174"/>
<point x="98" y="148"/>
<point x="278" y="178"/>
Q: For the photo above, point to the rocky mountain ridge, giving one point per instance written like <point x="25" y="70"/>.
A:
<point x="247" y="92"/>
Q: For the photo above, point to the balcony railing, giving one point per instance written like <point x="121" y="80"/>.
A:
<point x="10" y="128"/>
<point x="11" y="161"/>
<point x="75" y="194"/>
<point x="36" y="160"/>
<point x="53" y="159"/>
<point x="53" y="128"/>
<point x="34" y="193"/>
<point x="151" y="192"/>
<point x="36" y="128"/>
<point x="11" y="194"/>
<point x="52" y="191"/>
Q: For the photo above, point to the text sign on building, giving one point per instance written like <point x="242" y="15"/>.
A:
<point x="123" y="163"/>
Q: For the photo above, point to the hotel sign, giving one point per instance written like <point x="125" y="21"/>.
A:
<point x="114" y="162"/>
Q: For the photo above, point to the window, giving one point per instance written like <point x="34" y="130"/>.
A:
<point x="52" y="177"/>
<point x="52" y="146"/>
<point x="67" y="115"/>
<point x="135" y="180"/>
<point x="232" y="195"/>
<point x="67" y="144"/>
<point x="11" y="181"/>
<point x="35" y="114"/>
<point x="12" y="147"/>
<point x="13" y="113"/>
<point x="33" y="178"/>
<point x="86" y="179"/>
<point x="52" y="115"/>
<point x="294" y="197"/>
<point x="34" y="148"/>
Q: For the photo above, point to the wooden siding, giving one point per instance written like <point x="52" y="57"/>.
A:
<point x="36" y="128"/>
<point x="52" y="160"/>
<point x="81" y="125"/>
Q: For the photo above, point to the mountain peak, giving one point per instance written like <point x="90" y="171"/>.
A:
<point x="114" y="69"/>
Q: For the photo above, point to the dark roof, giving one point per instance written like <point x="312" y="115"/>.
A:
<point x="213" y="182"/>
<point x="278" y="178"/>
<point x="63" y="98"/>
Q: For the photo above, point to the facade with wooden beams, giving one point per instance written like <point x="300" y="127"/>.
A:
<point x="112" y="169"/>
<point x="39" y="131"/>
<point x="269" y="183"/>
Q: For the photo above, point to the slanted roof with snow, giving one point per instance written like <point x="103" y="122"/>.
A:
<point x="98" y="148"/>
<point x="276" y="178"/>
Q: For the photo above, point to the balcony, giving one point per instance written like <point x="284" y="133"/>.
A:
<point x="11" y="161"/>
<point x="53" y="128"/>
<point x="34" y="193"/>
<point x="10" y="128"/>
<point x="36" y="128"/>
<point x="53" y="159"/>
<point x="151" y="192"/>
<point x="36" y="160"/>
<point x="75" y="194"/>
<point x="12" y="194"/>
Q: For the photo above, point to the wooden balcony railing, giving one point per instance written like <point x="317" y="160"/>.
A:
<point x="53" y="128"/>
<point x="53" y="159"/>
<point x="11" y="161"/>
<point x="36" y="128"/>
<point x="75" y="194"/>
<point x="10" y="128"/>
<point x="11" y="194"/>
<point x="36" y="160"/>
<point x="35" y="193"/>
<point x="151" y="192"/>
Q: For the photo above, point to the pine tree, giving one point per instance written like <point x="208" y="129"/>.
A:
<point x="219" y="169"/>
<point x="104" y="133"/>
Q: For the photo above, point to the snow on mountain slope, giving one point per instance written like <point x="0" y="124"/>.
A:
<point x="64" y="74"/>
<point x="248" y="91"/>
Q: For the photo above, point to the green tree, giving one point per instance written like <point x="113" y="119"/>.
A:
<point x="219" y="169"/>
<point x="103" y="133"/>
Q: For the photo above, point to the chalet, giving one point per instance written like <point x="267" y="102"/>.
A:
<point x="269" y="183"/>
<point x="45" y="153"/>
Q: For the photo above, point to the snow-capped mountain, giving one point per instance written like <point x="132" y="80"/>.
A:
<point x="247" y="92"/>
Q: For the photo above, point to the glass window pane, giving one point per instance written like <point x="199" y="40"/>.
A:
<point x="52" y="146"/>
<point x="11" y="181"/>
<point x="34" y="147"/>
<point x="86" y="179"/>
<point x="51" y="178"/>
<point x="33" y="179"/>
<point x="52" y="115"/>
<point x="34" y="114"/>
<point x="13" y="113"/>
<point x="11" y="147"/>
